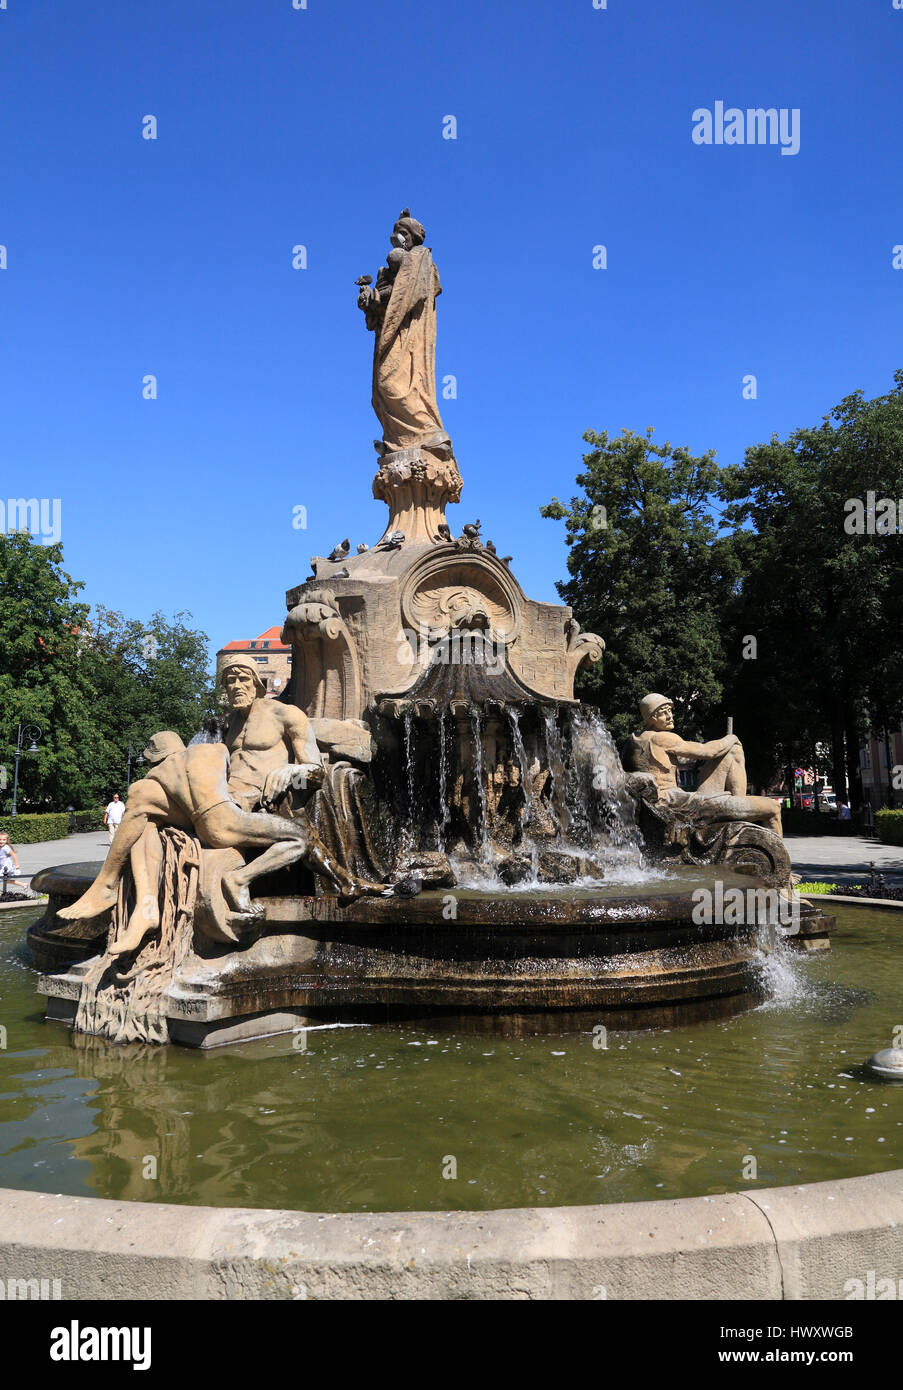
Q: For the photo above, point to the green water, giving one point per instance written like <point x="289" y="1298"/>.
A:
<point x="368" y="1118"/>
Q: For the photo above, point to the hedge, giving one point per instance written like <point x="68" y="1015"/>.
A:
<point x="889" y="825"/>
<point x="30" y="829"/>
<point x="89" y="820"/>
<point x="796" y="821"/>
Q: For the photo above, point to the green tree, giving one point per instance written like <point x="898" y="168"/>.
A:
<point x="94" y="684"/>
<point x="42" y="679"/>
<point x="150" y="676"/>
<point x="650" y="574"/>
<point x="822" y="591"/>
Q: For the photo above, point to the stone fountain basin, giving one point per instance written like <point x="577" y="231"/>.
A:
<point x="532" y="960"/>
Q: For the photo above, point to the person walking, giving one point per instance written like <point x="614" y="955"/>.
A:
<point x="113" y="815"/>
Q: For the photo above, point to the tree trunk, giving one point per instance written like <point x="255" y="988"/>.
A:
<point x="853" y="771"/>
<point x="838" y="767"/>
<point x="889" y="759"/>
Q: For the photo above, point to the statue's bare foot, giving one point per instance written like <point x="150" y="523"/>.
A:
<point x="99" y="898"/>
<point x="140" y="924"/>
<point x="359" y="888"/>
<point x="238" y="897"/>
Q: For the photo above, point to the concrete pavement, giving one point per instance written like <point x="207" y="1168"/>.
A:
<point x="75" y="849"/>
<point x="843" y="858"/>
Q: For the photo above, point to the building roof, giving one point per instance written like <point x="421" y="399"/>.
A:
<point x="272" y="637"/>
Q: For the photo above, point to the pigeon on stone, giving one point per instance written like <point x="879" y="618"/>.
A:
<point x="362" y="547"/>
<point x="340" y="574"/>
<point x="472" y="530"/>
<point x="340" y="552"/>
<point x="506" y="559"/>
<point x="407" y="887"/>
<point x="490" y="547"/>
<point x="444" y="531"/>
<point x="394" y="540"/>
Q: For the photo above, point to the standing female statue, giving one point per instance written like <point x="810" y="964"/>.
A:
<point x="401" y="310"/>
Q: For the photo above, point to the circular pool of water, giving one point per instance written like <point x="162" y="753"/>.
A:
<point x="360" y="1118"/>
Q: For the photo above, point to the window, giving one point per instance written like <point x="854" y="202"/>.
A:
<point x="263" y="644"/>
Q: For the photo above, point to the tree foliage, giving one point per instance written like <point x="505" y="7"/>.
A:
<point x="783" y="609"/>
<point x="650" y="574"/>
<point x="822" y="597"/>
<point x="93" y="683"/>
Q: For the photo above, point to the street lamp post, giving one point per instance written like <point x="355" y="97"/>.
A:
<point x="25" y="731"/>
<point x="128" y="772"/>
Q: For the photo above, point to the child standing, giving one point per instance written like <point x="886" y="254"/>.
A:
<point x="8" y="863"/>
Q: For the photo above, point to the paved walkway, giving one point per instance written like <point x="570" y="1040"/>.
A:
<point x="835" y="858"/>
<point x="843" y="858"/>
<point x="72" y="850"/>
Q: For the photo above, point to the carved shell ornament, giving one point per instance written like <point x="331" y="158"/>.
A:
<point x="459" y="597"/>
<point x="463" y="608"/>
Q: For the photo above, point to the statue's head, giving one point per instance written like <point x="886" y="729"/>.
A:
<point x="241" y="681"/>
<point x="162" y="746"/>
<point x="657" y="712"/>
<point x="407" y="232"/>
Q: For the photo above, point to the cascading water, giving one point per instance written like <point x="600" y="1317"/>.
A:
<point x="602" y="790"/>
<point x="554" y="761"/>
<point x="444" y="812"/>
<point x="521" y="791"/>
<point x="520" y="752"/>
<point x="411" y="819"/>
<point x="482" y="827"/>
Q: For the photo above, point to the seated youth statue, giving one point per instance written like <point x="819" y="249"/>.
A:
<point x="721" y="792"/>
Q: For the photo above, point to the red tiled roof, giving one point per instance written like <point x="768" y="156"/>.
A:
<point x="272" y="635"/>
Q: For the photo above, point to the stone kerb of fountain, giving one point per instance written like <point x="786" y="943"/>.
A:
<point x="529" y="881"/>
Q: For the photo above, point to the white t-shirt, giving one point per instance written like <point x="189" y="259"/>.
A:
<point x="6" y="860"/>
<point x="115" y="812"/>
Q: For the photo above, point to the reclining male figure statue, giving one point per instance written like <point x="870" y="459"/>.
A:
<point x="187" y="788"/>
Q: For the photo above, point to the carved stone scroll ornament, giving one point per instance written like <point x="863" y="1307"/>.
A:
<point x="326" y="674"/>
<point x="582" y="646"/>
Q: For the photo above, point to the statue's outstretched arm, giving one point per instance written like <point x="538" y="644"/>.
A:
<point x="681" y="748"/>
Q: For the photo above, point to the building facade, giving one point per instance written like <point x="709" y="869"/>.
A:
<point x="270" y="654"/>
<point x="881" y="764"/>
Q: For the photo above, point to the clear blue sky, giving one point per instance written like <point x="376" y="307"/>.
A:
<point x="279" y="126"/>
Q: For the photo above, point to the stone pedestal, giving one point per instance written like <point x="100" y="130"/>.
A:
<point x="416" y="485"/>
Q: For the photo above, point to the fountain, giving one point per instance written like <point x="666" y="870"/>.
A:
<point x="426" y="824"/>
